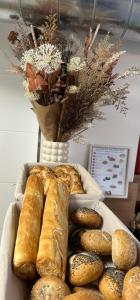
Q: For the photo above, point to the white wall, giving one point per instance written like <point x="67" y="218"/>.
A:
<point x="19" y="129"/>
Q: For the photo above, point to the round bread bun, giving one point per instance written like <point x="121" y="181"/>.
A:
<point x="74" y="238"/>
<point x="88" y="217"/>
<point x="88" y="289"/>
<point x="49" y="287"/>
<point x="85" y="295"/>
<point x="124" y="250"/>
<point x="131" y="286"/>
<point x="96" y="240"/>
<point x="84" y="268"/>
<point x="111" y="284"/>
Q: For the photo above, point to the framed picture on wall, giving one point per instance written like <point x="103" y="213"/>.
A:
<point x="109" y="165"/>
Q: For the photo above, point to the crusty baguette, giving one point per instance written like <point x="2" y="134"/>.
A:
<point x="45" y="174"/>
<point x="26" y="247"/>
<point x="52" y="253"/>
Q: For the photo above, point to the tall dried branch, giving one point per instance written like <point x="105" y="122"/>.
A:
<point x="49" y="28"/>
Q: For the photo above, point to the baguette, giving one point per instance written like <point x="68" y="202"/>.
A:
<point x="45" y="174"/>
<point x="52" y="253"/>
<point x="25" y="253"/>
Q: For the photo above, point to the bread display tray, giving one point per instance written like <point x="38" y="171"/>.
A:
<point x="11" y="287"/>
<point x="93" y="191"/>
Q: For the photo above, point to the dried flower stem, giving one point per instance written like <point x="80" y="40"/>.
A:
<point x="33" y="35"/>
<point x="94" y="36"/>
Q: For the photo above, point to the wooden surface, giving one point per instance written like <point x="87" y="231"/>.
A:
<point x="125" y="208"/>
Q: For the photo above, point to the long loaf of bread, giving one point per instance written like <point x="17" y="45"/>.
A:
<point x="52" y="252"/>
<point x="26" y="247"/>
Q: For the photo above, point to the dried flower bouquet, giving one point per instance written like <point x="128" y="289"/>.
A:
<point x="66" y="81"/>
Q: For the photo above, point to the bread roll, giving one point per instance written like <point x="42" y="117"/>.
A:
<point x="52" y="252"/>
<point x="131" y="287"/>
<point x="84" y="268"/>
<point x="45" y="174"/>
<point x="75" y="184"/>
<point x="85" y="295"/>
<point x="89" y="287"/>
<point x="49" y="288"/>
<point x="111" y="284"/>
<point x="26" y="247"/>
<point x="124" y="250"/>
<point x="94" y="292"/>
<point x="88" y="217"/>
<point x="97" y="241"/>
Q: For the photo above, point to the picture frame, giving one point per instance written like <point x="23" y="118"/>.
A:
<point x="108" y="165"/>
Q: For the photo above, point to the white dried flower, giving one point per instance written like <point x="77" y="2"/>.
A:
<point x="81" y="139"/>
<point x="45" y="57"/>
<point x="133" y="71"/>
<point x="30" y="95"/>
<point x="72" y="89"/>
<point x="113" y="58"/>
<point x="75" y="64"/>
<point x="28" y="57"/>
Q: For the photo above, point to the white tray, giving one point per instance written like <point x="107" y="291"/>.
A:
<point x="93" y="191"/>
<point x="12" y="288"/>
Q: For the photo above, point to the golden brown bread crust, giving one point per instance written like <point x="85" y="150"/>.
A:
<point x="26" y="247"/>
<point x="88" y="217"/>
<point x="96" y="240"/>
<point x="85" y="295"/>
<point x="94" y="292"/>
<point x="84" y="268"/>
<point x="111" y="284"/>
<point x="52" y="252"/>
<point x="49" y="287"/>
<point x="65" y="178"/>
<point x="75" y="179"/>
<point x="37" y="169"/>
<point x="45" y="174"/>
<point x="124" y="250"/>
<point x="131" y="287"/>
